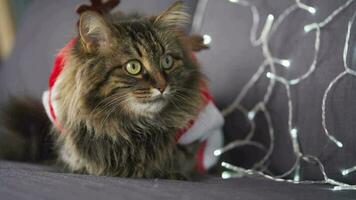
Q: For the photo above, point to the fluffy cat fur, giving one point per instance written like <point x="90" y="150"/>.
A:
<point x="112" y="122"/>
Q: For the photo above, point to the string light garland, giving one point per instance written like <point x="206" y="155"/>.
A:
<point x="269" y="64"/>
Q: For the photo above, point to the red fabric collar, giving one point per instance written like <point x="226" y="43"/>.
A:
<point x="58" y="66"/>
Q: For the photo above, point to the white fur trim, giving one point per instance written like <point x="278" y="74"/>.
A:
<point x="214" y="141"/>
<point x="45" y="102"/>
<point x="208" y="121"/>
<point x="54" y="97"/>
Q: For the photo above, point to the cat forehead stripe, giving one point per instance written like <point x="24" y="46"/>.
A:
<point x="144" y="36"/>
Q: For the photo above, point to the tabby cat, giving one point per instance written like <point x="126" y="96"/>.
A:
<point x="129" y="82"/>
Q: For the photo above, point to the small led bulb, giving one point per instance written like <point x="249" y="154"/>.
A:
<point x="312" y="10"/>
<point x="339" y="144"/>
<point x="294" y="132"/>
<point x="344" y="172"/>
<point x="251" y="115"/>
<point x="270" y="75"/>
<point x="309" y="27"/>
<point x="206" y="39"/>
<point x="226" y="175"/>
<point x="217" y="152"/>
<point x="285" y="63"/>
<point x="270" y="17"/>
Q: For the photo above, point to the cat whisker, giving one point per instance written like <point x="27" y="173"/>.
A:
<point x="142" y="93"/>
<point x="114" y="100"/>
<point x="108" y="102"/>
<point x="108" y="110"/>
<point x="107" y="98"/>
<point x="109" y="114"/>
<point x="143" y="97"/>
<point x="142" y="89"/>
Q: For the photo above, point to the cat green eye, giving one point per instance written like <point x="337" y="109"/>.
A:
<point x="133" y="67"/>
<point x="167" y="62"/>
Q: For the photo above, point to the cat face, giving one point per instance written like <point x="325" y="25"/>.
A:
<point x="136" y="65"/>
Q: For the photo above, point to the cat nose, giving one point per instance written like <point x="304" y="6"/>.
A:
<point x="161" y="88"/>
<point x="159" y="82"/>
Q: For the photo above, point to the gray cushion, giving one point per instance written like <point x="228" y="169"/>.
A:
<point x="25" y="181"/>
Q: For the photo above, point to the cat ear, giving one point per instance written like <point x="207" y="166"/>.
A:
<point x="173" y="17"/>
<point x="94" y="32"/>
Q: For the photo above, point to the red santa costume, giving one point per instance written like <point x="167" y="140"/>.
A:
<point x="206" y="128"/>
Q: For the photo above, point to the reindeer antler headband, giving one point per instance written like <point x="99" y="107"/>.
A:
<point x="99" y="6"/>
<point x="102" y="7"/>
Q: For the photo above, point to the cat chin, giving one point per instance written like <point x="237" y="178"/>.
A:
<point x="152" y="106"/>
<point x="146" y="108"/>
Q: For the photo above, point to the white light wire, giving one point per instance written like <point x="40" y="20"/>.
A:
<point x="269" y="28"/>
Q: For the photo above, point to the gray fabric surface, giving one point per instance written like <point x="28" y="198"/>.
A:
<point x="24" y="181"/>
<point x="232" y="60"/>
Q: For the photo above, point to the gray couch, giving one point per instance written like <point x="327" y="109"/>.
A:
<point x="229" y="64"/>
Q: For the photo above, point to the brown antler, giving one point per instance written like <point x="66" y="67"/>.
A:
<point x="196" y="43"/>
<point x="99" y="6"/>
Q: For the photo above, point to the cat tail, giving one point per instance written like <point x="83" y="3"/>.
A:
<point x="25" y="131"/>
